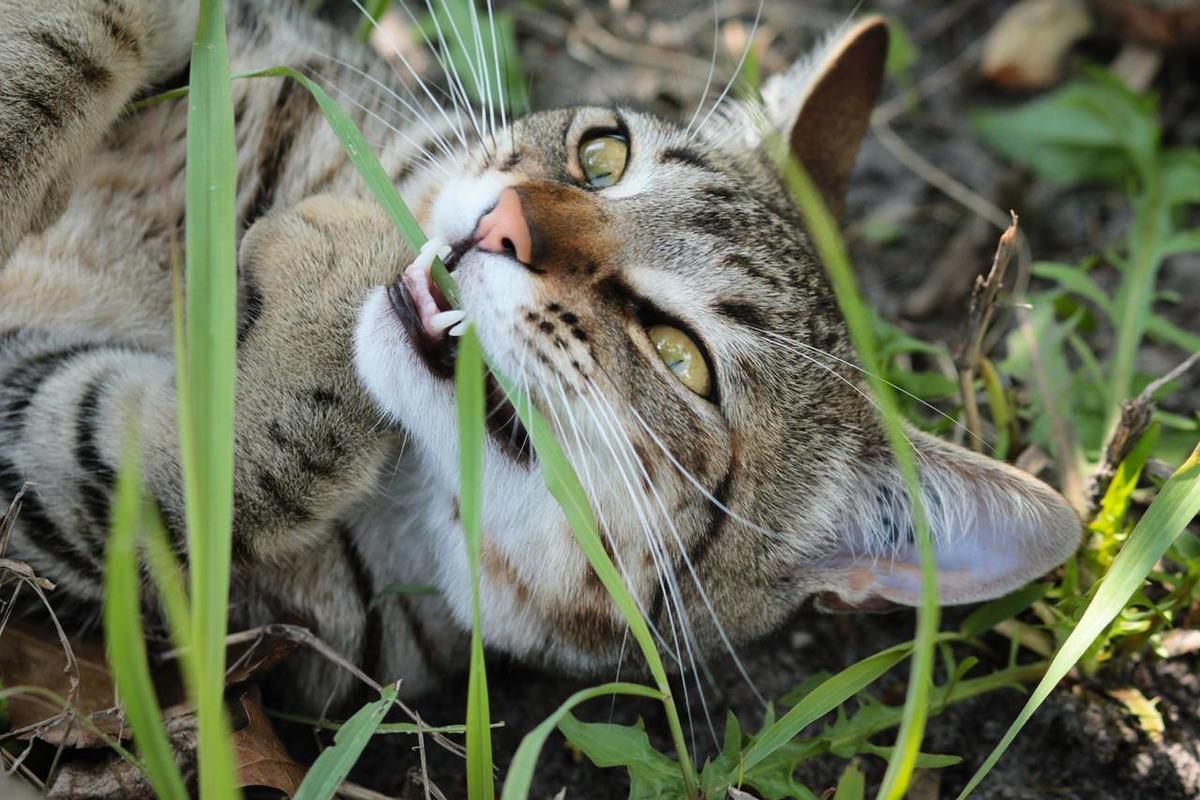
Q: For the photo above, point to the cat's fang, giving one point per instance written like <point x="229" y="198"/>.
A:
<point x="419" y="282"/>
<point x="444" y="320"/>
<point x="458" y="330"/>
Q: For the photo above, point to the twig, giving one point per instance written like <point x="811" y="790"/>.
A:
<point x="305" y="637"/>
<point x="979" y="316"/>
<point x="1136" y="414"/>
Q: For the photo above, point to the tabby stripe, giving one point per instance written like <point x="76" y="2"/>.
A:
<point x="743" y="313"/>
<point x="96" y="487"/>
<point x="38" y="99"/>
<point x="254" y="307"/>
<point x="688" y="156"/>
<point x="71" y="55"/>
<point x="25" y="380"/>
<point x="50" y="540"/>
<point x="120" y="33"/>
<point x="282" y="499"/>
<point x="372" y="642"/>
<point x="292" y="104"/>
<point x="315" y="469"/>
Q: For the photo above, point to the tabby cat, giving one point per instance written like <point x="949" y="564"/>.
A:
<point x="649" y="282"/>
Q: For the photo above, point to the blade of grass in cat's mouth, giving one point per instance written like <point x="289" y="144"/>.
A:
<point x="438" y="351"/>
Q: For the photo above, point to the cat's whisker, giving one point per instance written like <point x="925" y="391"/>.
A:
<point x="659" y="554"/>
<point x="412" y="71"/>
<point x="482" y="126"/>
<point x="796" y="343"/>
<point x="737" y="71"/>
<point x="496" y="62"/>
<point x="440" y="55"/>
<point x="416" y="112"/>
<point x="430" y="157"/>
<point x="487" y="79"/>
<point x="662" y="507"/>
<point x="590" y="489"/>
<point x="712" y="67"/>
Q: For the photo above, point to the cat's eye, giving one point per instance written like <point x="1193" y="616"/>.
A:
<point x="682" y="357"/>
<point x="602" y="159"/>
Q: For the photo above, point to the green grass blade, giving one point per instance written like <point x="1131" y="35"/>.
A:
<point x="123" y="635"/>
<point x="852" y="785"/>
<point x="335" y="763"/>
<point x="828" y="241"/>
<point x="469" y="397"/>
<point x="830" y="694"/>
<point x="520" y="771"/>
<point x="1177" y="504"/>
<point x="206" y="390"/>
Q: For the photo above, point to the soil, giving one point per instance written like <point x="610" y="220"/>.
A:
<point x="1081" y="744"/>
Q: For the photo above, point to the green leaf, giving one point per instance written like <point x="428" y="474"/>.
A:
<point x="988" y="616"/>
<point x="205" y="384"/>
<point x="124" y="640"/>
<point x="1074" y="279"/>
<point x="1091" y="129"/>
<point x="852" y="785"/>
<point x="469" y="402"/>
<point x="520" y="771"/>
<point x="335" y="763"/>
<point x="1181" y="176"/>
<point x="821" y="700"/>
<point x="1110" y="519"/>
<point x="1177" y="504"/>
<point x="652" y="775"/>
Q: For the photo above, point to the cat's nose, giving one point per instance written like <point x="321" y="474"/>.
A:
<point x="505" y="230"/>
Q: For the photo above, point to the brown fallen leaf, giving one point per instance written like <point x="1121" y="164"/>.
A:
<point x="1027" y="46"/>
<point x="261" y="757"/>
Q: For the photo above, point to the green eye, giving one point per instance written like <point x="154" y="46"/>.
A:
<point x="683" y="357"/>
<point x="602" y="159"/>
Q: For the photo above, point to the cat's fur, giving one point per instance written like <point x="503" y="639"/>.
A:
<point x="346" y="468"/>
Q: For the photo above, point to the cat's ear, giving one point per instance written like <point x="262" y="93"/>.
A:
<point x="994" y="528"/>
<point x="822" y="105"/>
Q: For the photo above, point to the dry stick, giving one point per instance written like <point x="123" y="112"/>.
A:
<point x="979" y="316"/>
<point x="1135" y="419"/>
<point x="304" y="636"/>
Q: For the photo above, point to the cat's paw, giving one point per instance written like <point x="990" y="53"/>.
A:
<point x="312" y="266"/>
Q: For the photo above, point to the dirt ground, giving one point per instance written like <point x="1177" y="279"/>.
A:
<point x="1080" y="744"/>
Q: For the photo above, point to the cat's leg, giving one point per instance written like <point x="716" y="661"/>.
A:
<point x="307" y="440"/>
<point x="67" y="67"/>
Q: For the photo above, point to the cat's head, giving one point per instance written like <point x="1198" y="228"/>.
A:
<point x="655" y="291"/>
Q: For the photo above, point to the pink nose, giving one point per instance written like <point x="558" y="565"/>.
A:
<point x="504" y="229"/>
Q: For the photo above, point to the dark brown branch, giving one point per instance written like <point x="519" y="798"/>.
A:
<point x="1136" y="414"/>
<point x="979" y="317"/>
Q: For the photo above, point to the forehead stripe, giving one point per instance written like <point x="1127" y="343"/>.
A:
<point x="688" y="156"/>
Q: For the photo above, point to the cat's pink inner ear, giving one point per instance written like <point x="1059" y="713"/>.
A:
<point x="994" y="528"/>
<point x="836" y="110"/>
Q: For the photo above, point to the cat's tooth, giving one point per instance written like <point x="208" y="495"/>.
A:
<point x="444" y="251"/>
<point x="458" y="330"/>
<point x="442" y="320"/>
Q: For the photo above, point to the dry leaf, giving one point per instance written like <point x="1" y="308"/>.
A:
<point x="1026" y="48"/>
<point x="261" y="757"/>
<point x="1148" y="717"/>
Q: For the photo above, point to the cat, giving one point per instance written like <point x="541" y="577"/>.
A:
<point x="649" y="282"/>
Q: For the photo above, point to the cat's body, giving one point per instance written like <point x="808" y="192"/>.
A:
<point x="766" y="483"/>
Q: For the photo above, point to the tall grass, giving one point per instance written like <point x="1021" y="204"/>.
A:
<point x="205" y="383"/>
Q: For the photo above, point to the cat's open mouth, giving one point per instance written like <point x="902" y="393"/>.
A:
<point x="437" y="348"/>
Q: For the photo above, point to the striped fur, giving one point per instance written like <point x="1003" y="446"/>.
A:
<point x="723" y="514"/>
